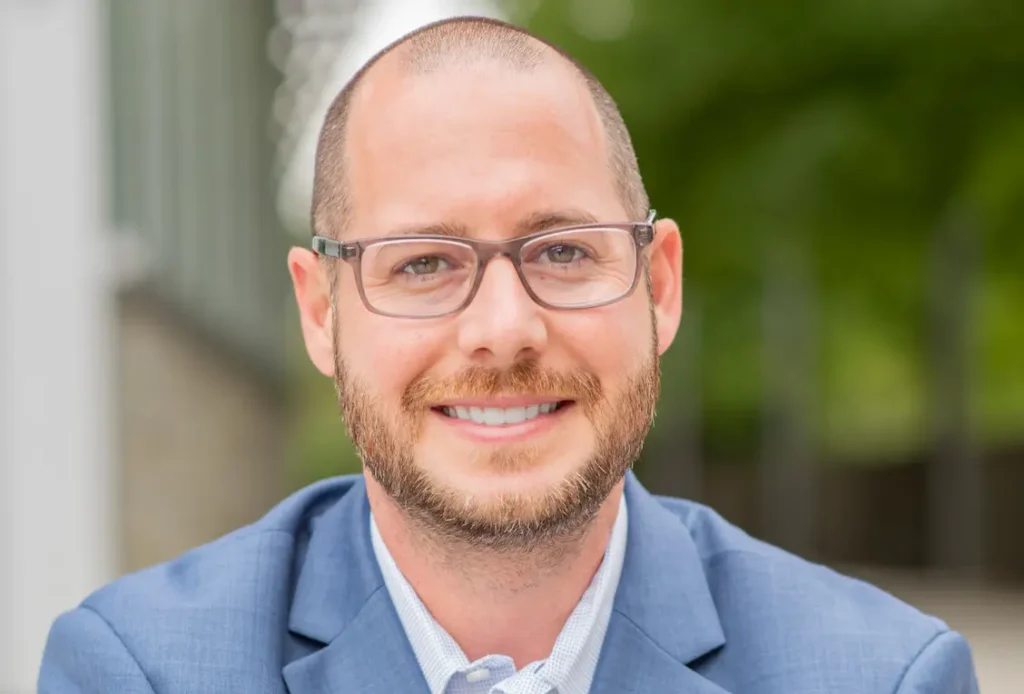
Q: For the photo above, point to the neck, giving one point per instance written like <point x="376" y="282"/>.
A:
<point x="512" y="603"/>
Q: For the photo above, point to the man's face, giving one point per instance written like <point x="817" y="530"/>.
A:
<point x="483" y="148"/>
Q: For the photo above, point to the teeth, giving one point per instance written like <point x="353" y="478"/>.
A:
<point x="498" y="416"/>
<point x="515" y="415"/>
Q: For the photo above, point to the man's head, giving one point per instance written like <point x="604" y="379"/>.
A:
<point x="474" y="128"/>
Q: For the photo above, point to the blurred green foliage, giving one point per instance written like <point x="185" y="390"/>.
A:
<point x="847" y="129"/>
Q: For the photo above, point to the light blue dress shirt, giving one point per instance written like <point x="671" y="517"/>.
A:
<point x="570" y="667"/>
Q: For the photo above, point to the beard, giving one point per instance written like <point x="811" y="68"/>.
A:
<point x="506" y="521"/>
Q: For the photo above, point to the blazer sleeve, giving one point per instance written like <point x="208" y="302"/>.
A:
<point x="83" y="655"/>
<point x="944" y="666"/>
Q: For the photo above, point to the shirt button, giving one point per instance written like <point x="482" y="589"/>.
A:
<point x="478" y="675"/>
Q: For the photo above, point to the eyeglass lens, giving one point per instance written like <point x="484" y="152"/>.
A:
<point x="571" y="269"/>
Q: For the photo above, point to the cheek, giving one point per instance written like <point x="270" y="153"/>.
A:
<point x="611" y="342"/>
<point x="385" y="353"/>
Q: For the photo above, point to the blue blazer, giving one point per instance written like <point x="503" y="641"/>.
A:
<point x="296" y="603"/>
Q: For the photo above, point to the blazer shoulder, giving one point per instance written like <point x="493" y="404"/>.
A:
<point x="83" y="654"/>
<point x="235" y="589"/>
<point x="777" y="608"/>
<point x="219" y="571"/>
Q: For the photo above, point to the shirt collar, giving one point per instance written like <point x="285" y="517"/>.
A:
<point x="573" y="660"/>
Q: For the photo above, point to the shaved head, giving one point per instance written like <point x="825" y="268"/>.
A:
<point x="454" y="43"/>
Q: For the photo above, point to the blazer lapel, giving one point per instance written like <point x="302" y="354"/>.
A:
<point x="633" y="664"/>
<point x="370" y="656"/>
<point x="342" y="607"/>
<point x="664" y="617"/>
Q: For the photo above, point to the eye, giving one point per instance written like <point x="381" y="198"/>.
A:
<point x="424" y="265"/>
<point x="563" y="253"/>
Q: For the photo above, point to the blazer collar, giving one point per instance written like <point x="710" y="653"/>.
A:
<point x="342" y="604"/>
<point x="664" y="617"/>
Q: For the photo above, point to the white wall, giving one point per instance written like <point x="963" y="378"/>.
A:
<point x="56" y="465"/>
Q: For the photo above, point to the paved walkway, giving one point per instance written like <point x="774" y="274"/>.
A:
<point x="990" y="618"/>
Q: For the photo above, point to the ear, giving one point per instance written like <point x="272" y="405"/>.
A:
<point x="312" y="294"/>
<point x="666" y="268"/>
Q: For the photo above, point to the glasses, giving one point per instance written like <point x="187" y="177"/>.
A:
<point x="428" y="276"/>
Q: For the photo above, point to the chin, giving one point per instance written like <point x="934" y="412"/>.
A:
<point x="501" y="473"/>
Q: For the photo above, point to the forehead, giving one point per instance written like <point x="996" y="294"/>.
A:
<point x="475" y="140"/>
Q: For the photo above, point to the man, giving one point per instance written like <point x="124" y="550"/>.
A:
<point x="491" y="294"/>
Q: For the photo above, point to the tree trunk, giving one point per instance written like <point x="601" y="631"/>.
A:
<point x="788" y="476"/>
<point x="955" y="476"/>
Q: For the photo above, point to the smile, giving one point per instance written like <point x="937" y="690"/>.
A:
<point x="500" y="416"/>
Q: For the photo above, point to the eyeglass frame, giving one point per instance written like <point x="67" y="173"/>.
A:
<point x="351" y="252"/>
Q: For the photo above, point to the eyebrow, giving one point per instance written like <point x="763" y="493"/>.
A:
<point x="439" y="229"/>
<point x="538" y="221"/>
<point x="542" y="221"/>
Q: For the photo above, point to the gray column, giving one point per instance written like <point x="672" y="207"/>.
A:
<point x="789" y="475"/>
<point x="955" y="476"/>
<point x="56" y="341"/>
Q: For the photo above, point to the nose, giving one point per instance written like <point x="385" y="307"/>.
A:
<point x="502" y="325"/>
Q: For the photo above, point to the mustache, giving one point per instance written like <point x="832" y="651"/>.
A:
<point x="523" y="379"/>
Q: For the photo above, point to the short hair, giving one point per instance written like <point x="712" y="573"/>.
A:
<point x="451" y="41"/>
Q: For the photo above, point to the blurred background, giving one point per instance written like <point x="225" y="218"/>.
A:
<point x="848" y="381"/>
